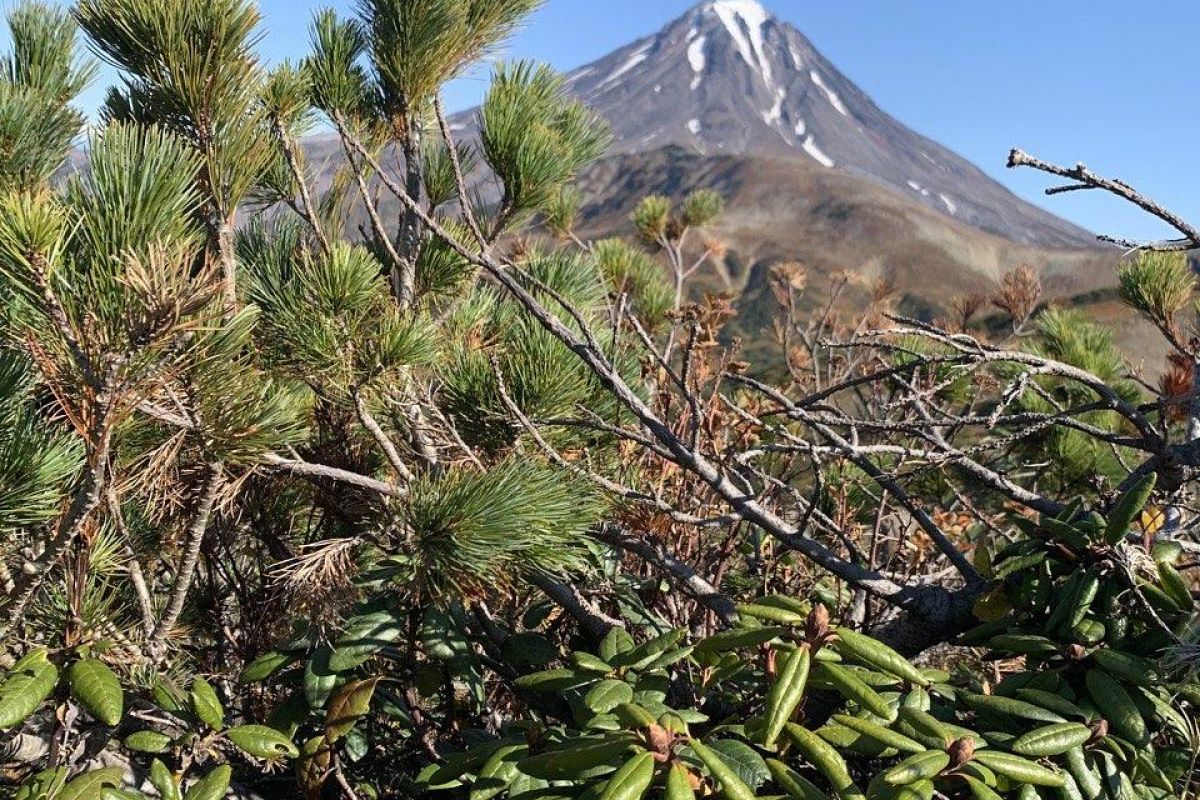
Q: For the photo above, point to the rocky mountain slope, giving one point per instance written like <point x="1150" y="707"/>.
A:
<point x="727" y="78"/>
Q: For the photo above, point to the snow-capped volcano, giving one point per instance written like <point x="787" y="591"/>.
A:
<point x="728" y="78"/>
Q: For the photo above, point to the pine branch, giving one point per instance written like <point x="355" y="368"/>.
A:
<point x="86" y="498"/>
<point x="594" y="622"/>
<point x="464" y="200"/>
<point x="1090" y="180"/>
<point x="353" y="154"/>
<point x="223" y="242"/>
<point x="421" y="443"/>
<point x="381" y="438"/>
<point x="191" y="554"/>
<point x="307" y="209"/>
<point x="409" y="238"/>
<point x="308" y="469"/>
<point x="137" y="577"/>
<point x="39" y="269"/>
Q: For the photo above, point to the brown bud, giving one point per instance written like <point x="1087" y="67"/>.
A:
<point x="1075" y="652"/>
<point x="817" y="626"/>
<point x="1099" y="729"/>
<point x="772" y="665"/>
<point x="961" y="751"/>
<point x="659" y="739"/>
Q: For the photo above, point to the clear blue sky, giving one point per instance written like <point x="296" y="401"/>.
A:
<point x="1103" y="81"/>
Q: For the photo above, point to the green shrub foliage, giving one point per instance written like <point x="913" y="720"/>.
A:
<point x="377" y="480"/>
<point x="788" y="704"/>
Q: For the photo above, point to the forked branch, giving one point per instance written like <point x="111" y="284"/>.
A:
<point x="1085" y="179"/>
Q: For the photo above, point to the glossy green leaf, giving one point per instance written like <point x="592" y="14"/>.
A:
<point x="164" y="781"/>
<point x="1052" y="740"/>
<point x="364" y="636"/>
<point x="98" y="689"/>
<point x="26" y="686"/>
<point x="206" y="705"/>
<point x="148" y="742"/>
<point x="319" y="679"/>
<point x="265" y="666"/>
<point x="786" y="692"/>
<point x="745" y="762"/>
<point x="1127" y="508"/>
<point x="632" y="780"/>
<point x="90" y="784"/>
<point x="607" y="695"/>
<point x="678" y="786"/>
<point x="262" y="742"/>
<point x="212" y="786"/>
<point x="731" y="785"/>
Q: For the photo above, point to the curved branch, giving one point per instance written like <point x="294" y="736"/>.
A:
<point x="191" y="554"/>
<point x="1086" y="179"/>
<point x="593" y="621"/>
<point x="678" y="571"/>
<point x="310" y="470"/>
<point x="381" y="438"/>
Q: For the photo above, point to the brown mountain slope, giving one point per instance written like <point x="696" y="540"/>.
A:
<point x="789" y="209"/>
<point x="833" y="222"/>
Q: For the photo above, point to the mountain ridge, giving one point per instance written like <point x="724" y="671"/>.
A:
<point x="729" y="77"/>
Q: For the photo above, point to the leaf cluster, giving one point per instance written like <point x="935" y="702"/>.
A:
<point x="534" y="138"/>
<point x="189" y="65"/>
<point x="39" y="77"/>
<point x="792" y="705"/>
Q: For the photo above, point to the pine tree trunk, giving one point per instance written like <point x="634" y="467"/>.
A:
<point x="225" y="251"/>
<point x="409" y="240"/>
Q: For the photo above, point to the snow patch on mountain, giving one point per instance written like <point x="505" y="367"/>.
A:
<point x="736" y="13"/>
<point x="695" y="54"/>
<point x="830" y="94"/>
<point x="775" y="113"/>
<point x="810" y="147"/>
<point x="795" y="54"/>
<point x="694" y="126"/>
<point x="579" y="74"/>
<point x="916" y="187"/>
<point x="638" y="57"/>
